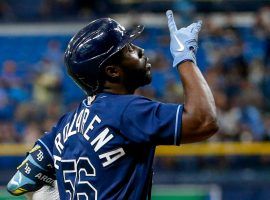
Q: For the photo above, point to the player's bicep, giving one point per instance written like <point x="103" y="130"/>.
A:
<point x="192" y="128"/>
<point x="145" y="121"/>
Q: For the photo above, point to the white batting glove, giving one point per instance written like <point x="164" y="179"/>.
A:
<point x="183" y="43"/>
<point x="45" y="193"/>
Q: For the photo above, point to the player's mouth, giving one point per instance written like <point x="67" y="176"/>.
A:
<point x="147" y="64"/>
<point x="148" y="69"/>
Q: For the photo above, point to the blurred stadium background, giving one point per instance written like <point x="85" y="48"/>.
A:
<point x="234" y="56"/>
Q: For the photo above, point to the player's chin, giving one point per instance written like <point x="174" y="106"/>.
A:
<point x="138" y="78"/>
<point x="147" y="79"/>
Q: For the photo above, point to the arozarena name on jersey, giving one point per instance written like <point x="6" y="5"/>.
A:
<point x="79" y="126"/>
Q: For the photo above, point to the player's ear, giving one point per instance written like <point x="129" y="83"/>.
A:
<point x="113" y="73"/>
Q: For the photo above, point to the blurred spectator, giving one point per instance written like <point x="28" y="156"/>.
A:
<point x="48" y="83"/>
<point x="266" y="89"/>
<point x="9" y="73"/>
<point x="31" y="133"/>
<point x="186" y="9"/>
<point x="13" y="82"/>
<point x="6" y="12"/>
<point x="160" y="74"/>
<point x="6" y="109"/>
<point x="54" y="52"/>
<point x="8" y="132"/>
<point x="228" y="118"/>
<point x="267" y="127"/>
<point x="251" y="120"/>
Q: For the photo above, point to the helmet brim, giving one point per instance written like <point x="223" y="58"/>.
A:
<point x="135" y="32"/>
<point x="130" y="35"/>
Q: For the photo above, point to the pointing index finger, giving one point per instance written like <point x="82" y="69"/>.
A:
<point x="171" y="23"/>
<point x="198" y="26"/>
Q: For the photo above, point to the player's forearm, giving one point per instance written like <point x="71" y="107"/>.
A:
<point x="199" y="116"/>
<point x="199" y="106"/>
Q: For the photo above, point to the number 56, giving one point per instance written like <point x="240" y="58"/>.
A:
<point x="76" y="175"/>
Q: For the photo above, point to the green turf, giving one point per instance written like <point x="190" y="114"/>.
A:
<point x="4" y="195"/>
<point x="176" y="193"/>
<point x="177" y="197"/>
<point x="160" y="193"/>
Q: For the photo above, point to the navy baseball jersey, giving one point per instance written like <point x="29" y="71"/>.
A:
<point x="105" y="148"/>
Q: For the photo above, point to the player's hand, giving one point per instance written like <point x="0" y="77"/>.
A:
<point x="183" y="43"/>
<point x="47" y="192"/>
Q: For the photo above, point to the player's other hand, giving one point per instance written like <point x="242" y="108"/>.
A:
<point x="183" y="43"/>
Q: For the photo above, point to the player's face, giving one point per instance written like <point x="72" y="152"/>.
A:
<point x="135" y="66"/>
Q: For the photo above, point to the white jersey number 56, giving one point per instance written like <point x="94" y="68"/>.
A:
<point x="76" y="175"/>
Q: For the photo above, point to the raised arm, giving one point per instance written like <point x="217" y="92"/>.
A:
<point x="199" y="120"/>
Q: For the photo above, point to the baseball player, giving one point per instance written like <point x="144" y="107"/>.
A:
<point x="105" y="148"/>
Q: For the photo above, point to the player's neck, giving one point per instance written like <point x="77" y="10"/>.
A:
<point x="117" y="88"/>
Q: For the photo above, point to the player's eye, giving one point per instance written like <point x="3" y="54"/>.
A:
<point x="130" y="48"/>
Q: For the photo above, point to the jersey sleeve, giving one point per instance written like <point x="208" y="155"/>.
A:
<point x="147" y="121"/>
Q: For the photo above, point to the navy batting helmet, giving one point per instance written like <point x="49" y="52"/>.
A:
<point x="92" y="46"/>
